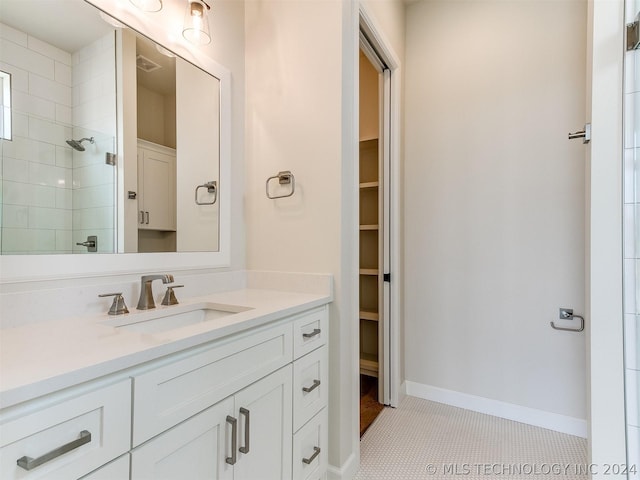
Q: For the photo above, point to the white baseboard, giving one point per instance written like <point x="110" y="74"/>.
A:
<point x="509" y="411"/>
<point x="347" y="471"/>
<point x="402" y="392"/>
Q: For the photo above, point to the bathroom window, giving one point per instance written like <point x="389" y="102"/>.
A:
<point x="5" y="105"/>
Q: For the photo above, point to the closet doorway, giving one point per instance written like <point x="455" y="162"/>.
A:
<point x="374" y="221"/>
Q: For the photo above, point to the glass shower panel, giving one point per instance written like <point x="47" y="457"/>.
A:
<point x="632" y="242"/>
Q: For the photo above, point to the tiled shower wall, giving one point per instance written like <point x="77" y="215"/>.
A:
<point x="36" y="163"/>
<point x="53" y="196"/>
<point x="632" y="241"/>
<point x="94" y="115"/>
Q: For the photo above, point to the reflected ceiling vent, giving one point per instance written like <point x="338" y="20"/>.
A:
<point x="146" y="65"/>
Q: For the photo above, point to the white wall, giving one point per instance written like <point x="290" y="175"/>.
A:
<point x="494" y="200"/>
<point x="293" y="122"/>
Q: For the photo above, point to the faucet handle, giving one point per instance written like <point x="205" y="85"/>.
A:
<point x="118" y="307"/>
<point x="170" y="296"/>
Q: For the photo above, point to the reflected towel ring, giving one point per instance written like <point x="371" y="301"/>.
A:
<point x="284" y="178"/>
<point x="212" y="187"/>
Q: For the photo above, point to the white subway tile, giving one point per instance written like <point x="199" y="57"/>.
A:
<point x="64" y="114"/>
<point x="19" y="240"/>
<point x="45" y="218"/>
<point x="20" y="125"/>
<point x="15" y="169"/>
<point x="17" y="148"/>
<point x="34" y="106"/>
<point x="63" y="74"/>
<point x="93" y="218"/>
<point x="15" y="216"/>
<point x="47" y="131"/>
<point x="52" y="176"/>
<point x="49" y="50"/>
<point x="64" y="157"/>
<point x="631" y="71"/>
<point x="15" y="193"/>
<point x="26" y="59"/>
<point x="19" y="77"/>
<point x="92" y="197"/>
<point x="63" y="240"/>
<point x="100" y="174"/>
<point x="64" y="198"/>
<point x="632" y="120"/>
<point x="633" y="448"/>
<point x="633" y="399"/>
<point x="629" y="229"/>
<point x="49" y="89"/>
<point x="13" y="35"/>
<point x="632" y="341"/>
<point x="629" y="286"/>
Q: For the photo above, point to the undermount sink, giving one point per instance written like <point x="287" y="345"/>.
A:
<point x="166" y="319"/>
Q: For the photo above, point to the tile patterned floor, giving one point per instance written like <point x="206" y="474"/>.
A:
<point x="427" y="440"/>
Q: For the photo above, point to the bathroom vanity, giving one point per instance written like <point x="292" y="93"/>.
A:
<point x="173" y="393"/>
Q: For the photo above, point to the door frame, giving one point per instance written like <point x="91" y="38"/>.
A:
<point x="392" y="361"/>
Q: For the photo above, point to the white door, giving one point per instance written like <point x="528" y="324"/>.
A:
<point x="265" y="428"/>
<point x="196" y="449"/>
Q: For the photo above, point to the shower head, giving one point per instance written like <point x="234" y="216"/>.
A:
<point x="77" y="144"/>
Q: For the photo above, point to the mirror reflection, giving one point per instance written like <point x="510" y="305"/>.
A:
<point x="110" y="143"/>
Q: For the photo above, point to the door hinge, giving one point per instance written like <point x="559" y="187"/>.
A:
<point x="386" y="277"/>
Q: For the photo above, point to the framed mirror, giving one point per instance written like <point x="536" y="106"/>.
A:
<point x="117" y="141"/>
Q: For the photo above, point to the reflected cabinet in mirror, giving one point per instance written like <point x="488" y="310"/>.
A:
<point x="109" y="141"/>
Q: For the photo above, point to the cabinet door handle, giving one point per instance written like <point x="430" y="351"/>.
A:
<point x="247" y="430"/>
<point x="316" y="384"/>
<point x="316" y="331"/>
<point x="316" y="452"/>
<point x="147" y="215"/>
<point x="141" y="217"/>
<point x="29" y="463"/>
<point x="234" y="439"/>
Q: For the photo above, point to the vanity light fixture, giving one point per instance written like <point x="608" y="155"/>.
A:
<point x="196" y="23"/>
<point x="148" y="5"/>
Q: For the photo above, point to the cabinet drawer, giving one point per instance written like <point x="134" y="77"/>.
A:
<point x="116" y="470"/>
<point x="310" y="445"/>
<point x="310" y="386"/>
<point x="310" y="331"/>
<point x="176" y="391"/>
<point x="92" y="429"/>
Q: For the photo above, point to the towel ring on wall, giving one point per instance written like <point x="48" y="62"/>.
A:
<point x="567" y="314"/>
<point x="284" y="178"/>
<point x="212" y="187"/>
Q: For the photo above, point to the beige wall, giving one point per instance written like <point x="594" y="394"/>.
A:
<point x="494" y="197"/>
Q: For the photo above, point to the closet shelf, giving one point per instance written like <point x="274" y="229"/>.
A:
<point x="370" y="185"/>
<point x="368" y="364"/>
<point x="369" y="227"/>
<point x="369" y="271"/>
<point x="365" y="315"/>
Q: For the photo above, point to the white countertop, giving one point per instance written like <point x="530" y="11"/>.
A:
<point x="42" y="358"/>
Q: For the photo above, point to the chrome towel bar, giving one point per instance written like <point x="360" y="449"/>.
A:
<point x="284" y="178"/>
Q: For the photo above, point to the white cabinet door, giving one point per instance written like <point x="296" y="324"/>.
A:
<point x="157" y="189"/>
<point x="195" y="449"/>
<point x="264" y="429"/>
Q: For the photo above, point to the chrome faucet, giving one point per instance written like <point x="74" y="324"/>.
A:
<point x="146" y="292"/>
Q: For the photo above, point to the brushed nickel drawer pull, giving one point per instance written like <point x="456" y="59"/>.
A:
<point x="247" y="430"/>
<point x="316" y="384"/>
<point x="29" y="463"/>
<point x="316" y="331"/>
<point x="234" y="440"/>
<point x="316" y="452"/>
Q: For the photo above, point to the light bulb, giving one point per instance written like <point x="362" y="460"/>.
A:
<point x="196" y="24"/>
